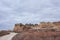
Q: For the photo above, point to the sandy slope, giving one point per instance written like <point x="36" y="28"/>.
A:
<point x="8" y="37"/>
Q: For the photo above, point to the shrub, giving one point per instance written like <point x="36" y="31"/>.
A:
<point x="37" y="36"/>
<point x="2" y="33"/>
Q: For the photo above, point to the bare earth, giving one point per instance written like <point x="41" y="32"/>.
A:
<point x="8" y="37"/>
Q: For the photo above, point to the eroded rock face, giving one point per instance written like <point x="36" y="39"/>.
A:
<point x="21" y="27"/>
<point x="43" y="26"/>
<point x="56" y="24"/>
<point x="43" y="31"/>
<point x="50" y="25"/>
<point x="18" y="27"/>
<point x="46" y="25"/>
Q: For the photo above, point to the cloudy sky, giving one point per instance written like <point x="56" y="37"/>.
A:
<point x="28" y="11"/>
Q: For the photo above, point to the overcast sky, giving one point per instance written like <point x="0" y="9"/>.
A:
<point x="28" y="11"/>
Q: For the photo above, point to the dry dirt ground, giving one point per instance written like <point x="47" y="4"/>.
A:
<point x="8" y="37"/>
<point x="37" y="36"/>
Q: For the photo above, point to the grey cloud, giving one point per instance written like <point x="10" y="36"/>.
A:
<point x="28" y="11"/>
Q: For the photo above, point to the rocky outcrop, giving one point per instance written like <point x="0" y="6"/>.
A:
<point x="42" y="26"/>
<point x="18" y="27"/>
<point x="21" y="27"/>
<point x="46" y="25"/>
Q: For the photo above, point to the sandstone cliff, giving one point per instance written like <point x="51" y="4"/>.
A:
<point x="42" y="26"/>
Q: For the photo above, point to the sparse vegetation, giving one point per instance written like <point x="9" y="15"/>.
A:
<point x="3" y="32"/>
<point x="37" y="36"/>
<point x="43" y="31"/>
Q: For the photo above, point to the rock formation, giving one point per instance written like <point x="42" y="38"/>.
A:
<point x="42" y="26"/>
<point x="18" y="27"/>
<point x="21" y="27"/>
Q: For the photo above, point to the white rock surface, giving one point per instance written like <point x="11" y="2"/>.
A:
<point x="8" y="37"/>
